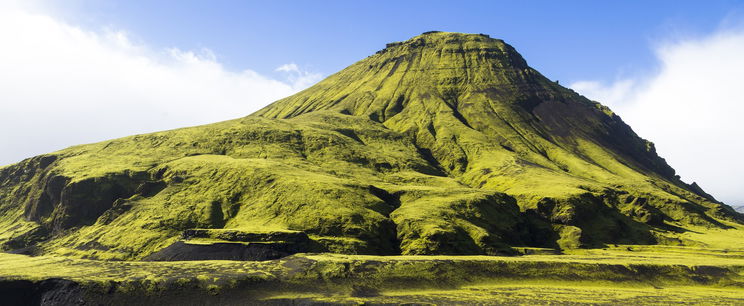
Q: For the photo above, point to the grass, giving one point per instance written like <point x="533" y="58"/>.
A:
<point x="646" y="275"/>
<point x="541" y="294"/>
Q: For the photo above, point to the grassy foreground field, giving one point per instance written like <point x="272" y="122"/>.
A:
<point x="622" y="274"/>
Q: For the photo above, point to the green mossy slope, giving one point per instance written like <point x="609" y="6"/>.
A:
<point x="446" y="143"/>
<point x="646" y="275"/>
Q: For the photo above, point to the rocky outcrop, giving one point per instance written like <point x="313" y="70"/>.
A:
<point x="211" y="244"/>
<point x="183" y="250"/>
<point x="53" y="291"/>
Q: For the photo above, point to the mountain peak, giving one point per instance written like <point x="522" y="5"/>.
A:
<point x="434" y="64"/>
<point x="471" y="85"/>
<point x="444" y="43"/>
<point x="440" y="39"/>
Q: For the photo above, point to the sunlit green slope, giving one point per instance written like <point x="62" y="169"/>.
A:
<point x="648" y="275"/>
<point x="446" y="143"/>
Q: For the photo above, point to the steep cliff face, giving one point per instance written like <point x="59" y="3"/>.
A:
<point x="446" y="143"/>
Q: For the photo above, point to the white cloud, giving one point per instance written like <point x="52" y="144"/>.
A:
<point x="292" y="67"/>
<point x="62" y="85"/>
<point x="693" y="109"/>
<point x="301" y="78"/>
<point x="611" y="95"/>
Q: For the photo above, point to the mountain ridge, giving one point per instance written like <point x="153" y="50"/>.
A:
<point x="446" y="143"/>
<point x="500" y="60"/>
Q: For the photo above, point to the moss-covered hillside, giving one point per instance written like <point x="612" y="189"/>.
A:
<point x="446" y="143"/>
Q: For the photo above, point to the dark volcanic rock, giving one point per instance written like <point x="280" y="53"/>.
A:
<point x="52" y="291"/>
<point x="181" y="250"/>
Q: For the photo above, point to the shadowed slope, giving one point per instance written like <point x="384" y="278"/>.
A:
<point x="444" y="144"/>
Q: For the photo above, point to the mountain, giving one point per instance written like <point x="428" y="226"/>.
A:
<point x="740" y="209"/>
<point x="446" y="143"/>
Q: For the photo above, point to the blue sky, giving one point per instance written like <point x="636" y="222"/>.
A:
<point x="81" y="71"/>
<point x="566" y="40"/>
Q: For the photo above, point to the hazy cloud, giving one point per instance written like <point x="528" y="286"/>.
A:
<point x="289" y="68"/>
<point x="300" y="78"/>
<point x="692" y="108"/>
<point x="610" y="95"/>
<point x="62" y="85"/>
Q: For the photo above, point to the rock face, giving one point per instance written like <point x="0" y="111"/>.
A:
<point x="181" y="251"/>
<point x="52" y="291"/>
<point x="446" y="143"/>
<point x="209" y="244"/>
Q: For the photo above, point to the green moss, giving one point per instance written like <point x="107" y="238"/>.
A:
<point x="612" y="275"/>
<point x="446" y="143"/>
